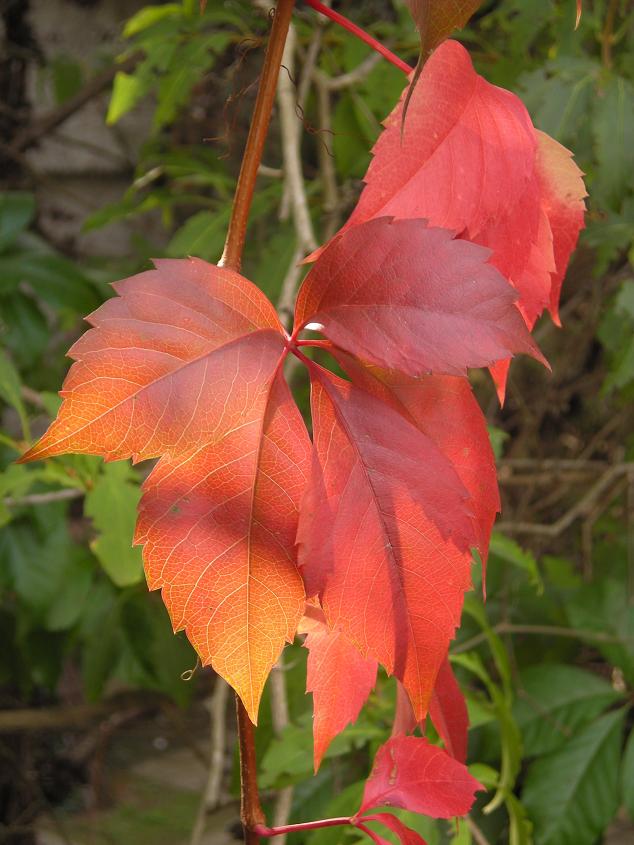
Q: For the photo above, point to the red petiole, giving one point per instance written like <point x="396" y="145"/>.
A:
<point x="262" y="830"/>
<point x="361" y="34"/>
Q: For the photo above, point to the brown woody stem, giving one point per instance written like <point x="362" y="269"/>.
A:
<point x="236" y="235"/>
<point x="251" y="810"/>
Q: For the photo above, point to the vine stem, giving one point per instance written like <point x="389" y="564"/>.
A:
<point x="361" y="34"/>
<point x="251" y="812"/>
<point x="236" y="234"/>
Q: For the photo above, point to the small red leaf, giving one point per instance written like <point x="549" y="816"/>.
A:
<point x="437" y="19"/>
<point x="563" y="195"/>
<point x="466" y="150"/>
<point x="340" y="679"/>
<point x="406" y="835"/>
<point x="412" y="774"/>
<point x="378" y="529"/>
<point x="410" y="298"/>
<point x="404" y="720"/>
<point x="448" y="712"/>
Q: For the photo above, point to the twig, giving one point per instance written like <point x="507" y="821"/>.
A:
<point x="581" y="509"/>
<point x="280" y="719"/>
<point x="290" y="136"/>
<point x="43" y="498"/>
<point x="541" y="630"/>
<point x="477" y="834"/>
<point x="216" y="704"/>
<point x="57" y="718"/>
<point x="352" y="77"/>
<point x="32" y="134"/>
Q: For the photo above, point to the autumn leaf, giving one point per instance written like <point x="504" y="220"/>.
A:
<point x="185" y="365"/>
<point x="411" y="298"/>
<point x="384" y="534"/>
<point x="437" y="19"/>
<point x="448" y="712"/>
<point x="406" y="835"/>
<point x="339" y="678"/>
<point x="466" y="149"/>
<point x="411" y="773"/>
<point x="445" y="410"/>
<point x="563" y="193"/>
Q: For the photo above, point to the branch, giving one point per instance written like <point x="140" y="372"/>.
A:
<point x="58" y="718"/>
<point x="43" y="498"/>
<point x="581" y="509"/>
<point x="32" y="134"/>
<point x="543" y="631"/>
<point x="216" y="704"/>
<point x="280" y="719"/>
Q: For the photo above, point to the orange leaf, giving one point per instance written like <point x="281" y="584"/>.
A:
<point x="185" y="365"/>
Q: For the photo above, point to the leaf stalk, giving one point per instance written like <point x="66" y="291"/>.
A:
<point x="361" y="34"/>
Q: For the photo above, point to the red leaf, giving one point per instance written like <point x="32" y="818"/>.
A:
<point x="445" y="410"/>
<point x="404" y="720"/>
<point x="383" y="542"/>
<point x="563" y="193"/>
<point x="186" y="364"/>
<point x="340" y="679"/>
<point x="406" y="297"/>
<point x="436" y="19"/>
<point x="404" y="833"/>
<point x="469" y="159"/>
<point x="466" y="149"/>
<point x="448" y="712"/>
<point x="411" y="773"/>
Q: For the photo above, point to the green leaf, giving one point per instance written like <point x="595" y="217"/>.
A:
<point x="127" y="90"/>
<point x="112" y="505"/>
<point x="554" y="701"/>
<point x="53" y="278"/>
<point x="627" y="776"/>
<point x="614" y="134"/>
<point x="573" y="794"/>
<point x="604" y="607"/>
<point x="23" y="328"/>
<point x="203" y="235"/>
<point x="67" y="78"/>
<point x="511" y="552"/>
<point x="150" y="15"/>
<point x="343" y="804"/>
<point x="10" y="391"/>
<point x="68" y="604"/>
<point x="17" y="209"/>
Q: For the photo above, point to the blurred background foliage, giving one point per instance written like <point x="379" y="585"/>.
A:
<point x="126" y="144"/>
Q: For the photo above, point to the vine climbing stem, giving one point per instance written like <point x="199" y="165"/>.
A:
<point x="251" y="812"/>
<point x="236" y="233"/>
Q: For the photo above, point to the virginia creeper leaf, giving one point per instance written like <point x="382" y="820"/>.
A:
<point x="411" y="773"/>
<point x="445" y="410"/>
<point x="448" y="712"/>
<point x="463" y="139"/>
<point x="338" y="676"/>
<point x="563" y="193"/>
<point x="384" y="534"/>
<point x="406" y="835"/>
<point x="436" y="19"/>
<point x="411" y="298"/>
<point x="466" y="149"/>
<point x="185" y="364"/>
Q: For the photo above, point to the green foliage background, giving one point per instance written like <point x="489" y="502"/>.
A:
<point x="548" y="662"/>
